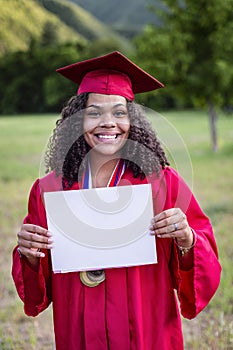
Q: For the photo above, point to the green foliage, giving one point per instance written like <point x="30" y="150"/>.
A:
<point x="49" y="35"/>
<point x="38" y="38"/>
<point x="29" y="82"/>
<point x="192" y="51"/>
<point x="49" y="22"/>
<point x="24" y="20"/>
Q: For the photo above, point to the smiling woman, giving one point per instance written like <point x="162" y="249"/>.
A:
<point x="103" y="139"/>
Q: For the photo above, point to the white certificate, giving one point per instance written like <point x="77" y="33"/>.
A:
<point x="101" y="228"/>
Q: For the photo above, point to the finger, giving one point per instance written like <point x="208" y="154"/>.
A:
<point x="36" y="229"/>
<point x="29" y="244"/>
<point x="168" y="217"/>
<point x="170" y="230"/>
<point x="165" y="215"/>
<point x="168" y="223"/>
<point x="183" y="237"/>
<point x="34" y="237"/>
<point x="175" y="234"/>
<point x="30" y="253"/>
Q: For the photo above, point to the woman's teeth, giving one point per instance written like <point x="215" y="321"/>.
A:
<point x="108" y="137"/>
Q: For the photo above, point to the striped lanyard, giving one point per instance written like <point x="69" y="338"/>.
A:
<point x="114" y="179"/>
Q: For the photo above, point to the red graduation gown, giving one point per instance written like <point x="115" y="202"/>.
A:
<point x="135" y="308"/>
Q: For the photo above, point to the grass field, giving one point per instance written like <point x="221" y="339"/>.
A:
<point x="186" y="137"/>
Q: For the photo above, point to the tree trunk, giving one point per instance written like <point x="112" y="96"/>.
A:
<point x="213" y="130"/>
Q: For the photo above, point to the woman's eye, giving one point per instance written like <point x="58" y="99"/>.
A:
<point x="120" y="114"/>
<point x="93" y="113"/>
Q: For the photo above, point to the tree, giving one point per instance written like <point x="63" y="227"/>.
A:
<point x="193" y="52"/>
<point x="49" y="35"/>
<point x="29" y="82"/>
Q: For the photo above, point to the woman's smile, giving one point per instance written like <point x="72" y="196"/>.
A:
<point x="104" y="137"/>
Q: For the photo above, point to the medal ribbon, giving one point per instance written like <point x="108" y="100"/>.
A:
<point x="114" y="179"/>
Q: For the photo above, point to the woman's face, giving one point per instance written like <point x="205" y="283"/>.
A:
<point x="106" y="123"/>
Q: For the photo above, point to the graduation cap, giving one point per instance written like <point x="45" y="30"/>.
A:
<point x="111" y="74"/>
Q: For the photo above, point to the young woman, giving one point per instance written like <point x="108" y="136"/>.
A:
<point x="103" y="139"/>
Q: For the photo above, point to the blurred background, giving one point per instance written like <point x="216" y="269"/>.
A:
<point x="188" y="46"/>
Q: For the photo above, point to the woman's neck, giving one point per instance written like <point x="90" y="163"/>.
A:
<point x="101" y="170"/>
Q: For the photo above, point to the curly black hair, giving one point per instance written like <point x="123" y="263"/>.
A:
<point x="67" y="149"/>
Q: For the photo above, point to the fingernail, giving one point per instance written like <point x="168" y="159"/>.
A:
<point x="50" y="240"/>
<point x="42" y="255"/>
<point x="49" y="246"/>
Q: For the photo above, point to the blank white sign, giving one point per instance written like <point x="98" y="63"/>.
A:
<point x="101" y="228"/>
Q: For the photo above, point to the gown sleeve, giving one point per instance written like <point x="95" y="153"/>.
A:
<point x="33" y="285"/>
<point x="195" y="287"/>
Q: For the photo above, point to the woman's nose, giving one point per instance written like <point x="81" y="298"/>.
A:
<point x="107" y="120"/>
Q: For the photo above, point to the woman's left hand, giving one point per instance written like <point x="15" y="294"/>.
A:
<point x="172" y="223"/>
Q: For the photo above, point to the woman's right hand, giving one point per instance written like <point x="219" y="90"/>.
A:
<point x="31" y="239"/>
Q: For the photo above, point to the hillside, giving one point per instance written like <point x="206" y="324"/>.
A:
<point x="24" y="20"/>
<point x="80" y="20"/>
<point x="125" y="16"/>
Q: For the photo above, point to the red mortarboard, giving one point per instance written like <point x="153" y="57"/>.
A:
<point x="111" y="74"/>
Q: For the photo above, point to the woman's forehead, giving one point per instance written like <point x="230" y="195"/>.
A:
<point x="102" y="100"/>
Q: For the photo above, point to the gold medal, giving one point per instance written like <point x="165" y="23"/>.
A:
<point x="92" y="278"/>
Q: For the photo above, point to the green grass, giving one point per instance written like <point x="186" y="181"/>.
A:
<point x="22" y="144"/>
